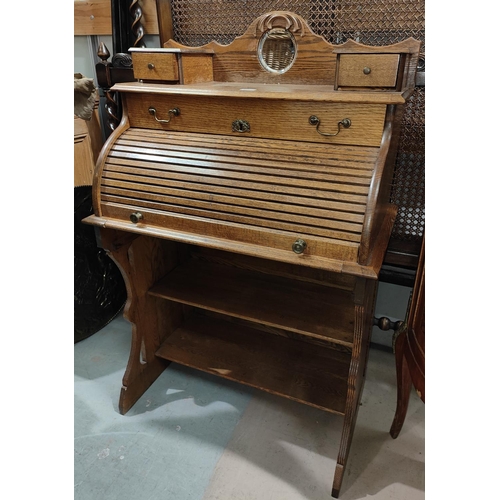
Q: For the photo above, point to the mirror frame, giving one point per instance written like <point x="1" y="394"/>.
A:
<point x="260" y="50"/>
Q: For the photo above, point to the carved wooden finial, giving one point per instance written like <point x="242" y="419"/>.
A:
<point x="103" y="52"/>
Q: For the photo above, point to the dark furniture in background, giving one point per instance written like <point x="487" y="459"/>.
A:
<point x="99" y="290"/>
<point x="410" y="349"/>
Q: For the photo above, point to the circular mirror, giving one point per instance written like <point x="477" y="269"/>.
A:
<point x="277" y="50"/>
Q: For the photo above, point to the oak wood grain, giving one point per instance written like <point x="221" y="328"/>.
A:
<point x="196" y="68"/>
<point x="302" y="372"/>
<point x="238" y="61"/>
<point x="365" y="303"/>
<point x="87" y="145"/>
<point x="307" y="308"/>
<point x="84" y="163"/>
<point x="141" y="262"/>
<point x="165" y="20"/>
<point x="337" y="264"/>
<point x="162" y="172"/>
<point x="94" y="18"/>
<point x="154" y="66"/>
<point x="255" y="90"/>
<point x="212" y="213"/>
<point x="266" y="266"/>
<point x="373" y="70"/>
<point x="376" y="220"/>
<point x="215" y="115"/>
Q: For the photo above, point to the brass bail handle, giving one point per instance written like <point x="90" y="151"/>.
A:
<point x="171" y="113"/>
<point x="314" y="120"/>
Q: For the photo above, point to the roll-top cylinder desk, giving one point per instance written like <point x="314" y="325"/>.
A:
<point x="245" y="199"/>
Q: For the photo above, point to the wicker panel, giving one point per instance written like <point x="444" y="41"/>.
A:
<point x="408" y="190"/>
<point x="372" y="22"/>
<point x="199" y="22"/>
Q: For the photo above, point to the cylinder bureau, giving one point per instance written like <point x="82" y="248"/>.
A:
<point x="245" y="198"/>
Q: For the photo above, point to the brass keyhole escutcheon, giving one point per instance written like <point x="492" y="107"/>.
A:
<point x="136" y="217"/>
<point x="299" y="246"/>
<point x="240" y="126"/>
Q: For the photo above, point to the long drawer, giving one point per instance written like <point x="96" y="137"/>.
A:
<point x="263" y="118"/>
<point x="243" y="189"/>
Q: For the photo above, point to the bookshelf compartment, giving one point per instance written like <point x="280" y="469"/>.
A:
<point x="312" y="310"/>
<point x="296" y="370"/>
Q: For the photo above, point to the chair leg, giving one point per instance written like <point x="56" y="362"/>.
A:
<point x="404" y="385"/>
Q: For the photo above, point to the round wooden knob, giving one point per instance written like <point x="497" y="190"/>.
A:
<point x="385" y="324"/>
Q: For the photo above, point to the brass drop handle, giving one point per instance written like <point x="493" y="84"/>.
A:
<point x="136" y="217"/>
<point x="314" y="120"/>
<point x="299" y="246"/>
<point x="171" y="113"/>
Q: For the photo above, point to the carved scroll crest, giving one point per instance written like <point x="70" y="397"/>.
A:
<point x="280" y="19"/>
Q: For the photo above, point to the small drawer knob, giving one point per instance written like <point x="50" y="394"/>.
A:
<point x="367" y="70"/>
<point x="151" y="66"/>
<point x="299" y="246"/>
<point x="136" y="217"/>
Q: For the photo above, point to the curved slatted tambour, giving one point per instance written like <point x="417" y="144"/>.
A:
<point x="302" y="188"/>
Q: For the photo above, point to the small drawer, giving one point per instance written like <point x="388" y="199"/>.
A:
<point x="368" y="70"/>
<point x="155" y="66"/>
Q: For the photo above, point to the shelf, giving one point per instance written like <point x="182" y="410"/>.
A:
<point x="318" y="311"/>
<point x="296" y="370"/>
<point x="252" y="90"/>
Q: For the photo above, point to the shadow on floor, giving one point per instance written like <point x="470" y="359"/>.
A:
<point x="192" y="421"/>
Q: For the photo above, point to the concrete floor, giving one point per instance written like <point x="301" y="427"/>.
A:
<point x="198" y="437"/>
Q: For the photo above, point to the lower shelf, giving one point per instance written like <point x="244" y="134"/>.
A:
<point x="296" y="370"/>
<point x="319" y="312"/>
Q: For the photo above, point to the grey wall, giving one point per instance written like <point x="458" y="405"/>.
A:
<point x="85" y="53"/>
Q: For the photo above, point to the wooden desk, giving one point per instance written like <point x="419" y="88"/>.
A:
<point x="244" y="197"/>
